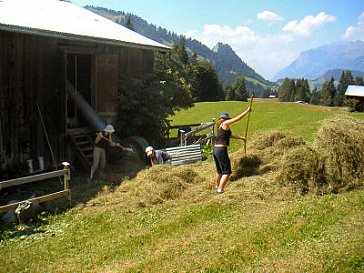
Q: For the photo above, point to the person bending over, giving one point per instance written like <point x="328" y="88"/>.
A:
<point x="157" y="156"/>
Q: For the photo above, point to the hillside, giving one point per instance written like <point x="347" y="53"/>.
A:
<point x="314" y="63"/>
<point x="227" y="64"/>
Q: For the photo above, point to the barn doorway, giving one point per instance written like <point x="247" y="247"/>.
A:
<point x="79" y="74"/>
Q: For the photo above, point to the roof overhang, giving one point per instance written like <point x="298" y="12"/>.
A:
<point x="63" y="20"/>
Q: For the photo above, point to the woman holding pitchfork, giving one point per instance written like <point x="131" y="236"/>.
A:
<point x="102" y="141"/>
<point x="221" y="157"/>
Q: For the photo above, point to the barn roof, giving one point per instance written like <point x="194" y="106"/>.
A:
<point x="355" y="91"/>
<point x="62" y="19"/>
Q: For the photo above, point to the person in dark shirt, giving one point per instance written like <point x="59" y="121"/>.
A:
<point x="157" y="156"/>
<point x="220" y="153"/>
<point x="102" y="141"/>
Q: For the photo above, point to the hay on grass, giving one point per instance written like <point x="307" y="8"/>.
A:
<point x="263" y="140"/>
<point x="265" y="155"/>
<point x="151" y="186"/>
<point x="334" y="163"/>
<point x="340" y="142"/>
<point x="246" y="165"/>
<point x="161" y="183"/>
<point x="302" y="169"/>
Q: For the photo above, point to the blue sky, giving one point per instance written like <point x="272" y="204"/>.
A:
<point x="266" y="34"/>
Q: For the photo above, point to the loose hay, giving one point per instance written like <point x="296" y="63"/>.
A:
<point x="152" y="186"/>
<point x="245" y="165"/>
<point x="266" y="139"/>
<point x="334" y="163"/>
<point x="340" y="142"/>
<point x="274" y="165"/>
<point x="301" y="168"/>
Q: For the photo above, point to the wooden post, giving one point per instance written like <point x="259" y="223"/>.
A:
<point x="67" y="178"/>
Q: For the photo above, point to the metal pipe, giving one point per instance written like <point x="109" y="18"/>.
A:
<point x="88" y="113"/>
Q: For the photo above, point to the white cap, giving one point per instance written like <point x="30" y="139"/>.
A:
<point x="149" y="150"/>
<point x="109" y="128"/>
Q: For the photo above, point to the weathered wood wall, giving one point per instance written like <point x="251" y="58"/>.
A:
<point x="32" y="74"/>
<point x="29" y="79"/>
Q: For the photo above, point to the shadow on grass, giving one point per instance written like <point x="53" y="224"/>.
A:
<point x="29" y="221"/>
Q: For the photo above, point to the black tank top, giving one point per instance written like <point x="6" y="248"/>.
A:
<point x="223" y="136"/>
<point x="103" y="143"/>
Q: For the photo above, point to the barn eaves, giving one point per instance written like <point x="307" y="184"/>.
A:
<point x="62" y="19"/>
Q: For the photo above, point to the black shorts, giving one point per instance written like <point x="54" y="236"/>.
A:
<point x="222" y="160"/>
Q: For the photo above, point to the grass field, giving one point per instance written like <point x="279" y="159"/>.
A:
<point x="168" y="219"/>
<point x="299" y="120"/>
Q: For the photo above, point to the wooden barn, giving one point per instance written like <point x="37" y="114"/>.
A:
<point x="59" y="70"/>
<point x="356" y="92"/>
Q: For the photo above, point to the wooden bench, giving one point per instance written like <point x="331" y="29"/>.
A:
<point x="184" y="154"/>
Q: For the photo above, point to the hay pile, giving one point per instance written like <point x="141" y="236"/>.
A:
<point x="340" y="144"/>
<point x="265" y="154"/>
<point x="335" y="161"/>
<point x="276" y="166"/>
<point x="158" y="185"/>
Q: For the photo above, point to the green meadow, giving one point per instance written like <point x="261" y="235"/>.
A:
<point x="298" y="120"/>
<point x="169" y="219"/>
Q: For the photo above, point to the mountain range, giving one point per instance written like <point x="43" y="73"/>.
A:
<point x="227" y="63"/>
<point x="317" y="64"/>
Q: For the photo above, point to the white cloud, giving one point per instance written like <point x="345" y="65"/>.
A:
<point x="355" y="32"/>
<point x="308" y="24"/>
<point x="268" y="16"/>
<point x="241" y="32"/>
<point x="265" y="54"/>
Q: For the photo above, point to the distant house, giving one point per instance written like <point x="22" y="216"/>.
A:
<point x="356" y="92"/>
<point x="59" y="71"/>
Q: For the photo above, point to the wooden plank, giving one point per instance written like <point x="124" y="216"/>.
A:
<point x="32" y="178"/>
<point x="39" y="199"/>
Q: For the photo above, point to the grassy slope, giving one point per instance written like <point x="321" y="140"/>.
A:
<point x="250" y="228"/>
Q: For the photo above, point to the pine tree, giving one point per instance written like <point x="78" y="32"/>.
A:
<point x="315" y="97"/>
<point x="206" y="85"/>
<point x="302" y="90"/>
<point x="181" y="51"/>
<point x="128" y="23"/>
<point x="237" y="90"/>
<point x="328" y="92"/>
<point x="359" y="81"/>
<point x="286" y="90"/>
<point x="230" y="93"/>
<point x="345" y="80"/>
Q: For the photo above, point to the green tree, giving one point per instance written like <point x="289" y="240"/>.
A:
<point x="328" y="93"/>
<point x="147" y="102"/>
<point x="302" y="90"/>
<point x="237" y="90"/>
<point x="345" y="80"/>
<point x="359" y="80"/>
<point x="315" y="97"/>
<point x="286" y="90"/>
<point x="206" y="85"/>
<point x="181" y="51"/>
<point x="230" y="93"/>
<point x="128" y="23"/>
